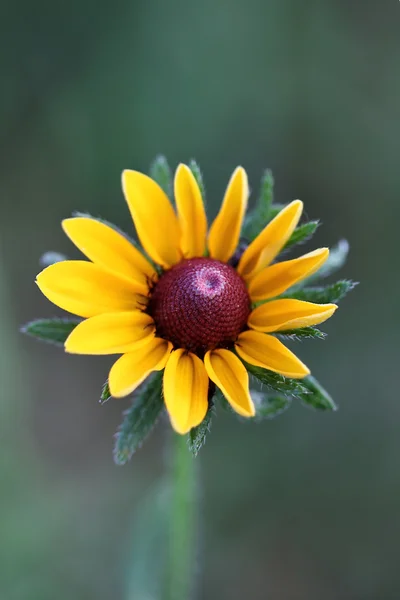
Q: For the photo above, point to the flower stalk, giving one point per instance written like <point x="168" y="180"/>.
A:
<point x="183" y="521"/>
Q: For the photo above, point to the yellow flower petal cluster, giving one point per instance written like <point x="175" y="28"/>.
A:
<point x="113" y="289"/>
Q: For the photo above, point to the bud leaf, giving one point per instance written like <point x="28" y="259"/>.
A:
<point x="139" y="419"/>
<point x="54" y="331"/>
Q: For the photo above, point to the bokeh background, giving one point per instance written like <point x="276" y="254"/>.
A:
<point x="302" y="507"/>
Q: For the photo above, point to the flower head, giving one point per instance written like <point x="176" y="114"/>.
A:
<point x="200" y="307"/>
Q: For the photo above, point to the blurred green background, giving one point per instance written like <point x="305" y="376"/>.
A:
<point x="302" y="507"/>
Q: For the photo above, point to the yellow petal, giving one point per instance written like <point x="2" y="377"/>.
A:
<point x="191" y="214"/>
<point x="185" y="386"/>
<point x="225" y="230"/>
<point x="109" y="249"/>
<point x="132" y="369"/>
<point x="85" y="289"/>
<point x="268" y="352"/>
<point x="155" y="220"/>
<point x="276" y="279"/>
<point x="111" y="333"/>
<point x="262" y="251"/>
<point x="285" y="314"/>
<point x="230" y="375"/>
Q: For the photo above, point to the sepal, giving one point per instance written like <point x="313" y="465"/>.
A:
<point x="54" y="331"/>
<point x="139" y="419"/>
<point x="269" y="406"/>
<point x="197" y="435"/>
<point x="161" y="173"/>
<point x="323" y="294"/>
<point x="194" y="167"/>
<point x="317" y="397"/>
<point x="260" y="216"/>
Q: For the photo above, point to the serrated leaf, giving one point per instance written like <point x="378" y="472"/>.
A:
<point x="161" y="173"/>
<point x="194" y="167"/>
<point x="197" y="435"/>
<point x="302" y="333"/>
<point x="54" y="331"/>
<point x="269" y="406"/>
<point x="278" y="383"/>
<point x="51" y="258"/>
<point x="258" y="218"/>
<point x="139" y="419"/>
<point x="323" y="294"/>
<point x="302" y="234"/>
<point x="317" y="397"/>
<point x="105" y="393"/>
<point x="337" y="258"/>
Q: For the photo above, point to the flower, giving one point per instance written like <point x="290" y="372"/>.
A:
<point x="197" y="307"/>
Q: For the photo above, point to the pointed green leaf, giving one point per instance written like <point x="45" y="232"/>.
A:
<point x="194" y="167"/>
<point x="258" y="218"/>
<point x="197" y="435"/>
<point x="54" y="331"/>
<point x="302" y="333"/>
<point x="269" y="406"/>
<point x="302" y="234"/>
<point x="105" y="393"/>
<point x="161" y="173"/>
<point x="51" y="258"/>
<point x="324" y="294"/>
<point x="139" y="419"/>
<point x="278" y="383"/>
<point x="317" y="397"/>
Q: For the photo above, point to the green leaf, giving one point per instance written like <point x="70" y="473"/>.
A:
<point x="277" y="383"/>
<point x="336" y="260"/>
<point x="197" y="435"/>
<point x="302" y="333"/>
<point x="269" y="406"/>
<point x="194" y="167"/>
<point x="302" y="234"/>
<point x="54" y="331"/>
<point x="51" y="258"/>
<point x="258" y="218"/>
<point x="324" y="294"/>
<point x="105" y="393"/>
<point x="160" y="172"/>
<point x="139" y="419"/>
<point x="317" y="397"/>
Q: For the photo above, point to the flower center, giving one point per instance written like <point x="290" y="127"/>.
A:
<point x="200" y="304"/>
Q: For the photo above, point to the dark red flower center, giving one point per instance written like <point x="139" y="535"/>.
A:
<point x="200" y="304"/>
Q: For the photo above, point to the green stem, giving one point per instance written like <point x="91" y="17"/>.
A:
<point x="182" y="529"/>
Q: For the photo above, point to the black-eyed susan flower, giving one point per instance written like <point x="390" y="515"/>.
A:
<point x="191" y="304"/>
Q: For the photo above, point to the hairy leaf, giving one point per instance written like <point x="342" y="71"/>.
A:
<point x="139" y="419"/>
<point x="105" y="393"/>
<point x="317" y="397"/>
<point x="302" y="234"/>
<point x="269" y="406"/>
<point x="194" y="167"/>
<point x="54" y="331"/>
<point x="197" y="435"/>
<point x="323" y="294"/>
<point x="278" y="383"/>
<point x="160" y="172"/>
<point x="302" y="333"/>
<point x="258" y="218"/>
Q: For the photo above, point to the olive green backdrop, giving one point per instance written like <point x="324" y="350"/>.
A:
<point x="302" y="507"/>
